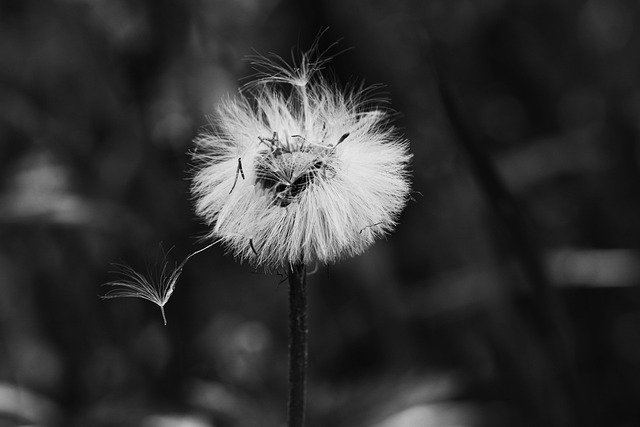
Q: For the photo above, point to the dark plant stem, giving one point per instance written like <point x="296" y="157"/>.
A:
<point x="297" y="344"/>
<point x="551" y="317"/>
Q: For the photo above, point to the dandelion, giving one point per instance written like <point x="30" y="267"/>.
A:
<point x="157" y="288"/>
<point x="299" y="172"/>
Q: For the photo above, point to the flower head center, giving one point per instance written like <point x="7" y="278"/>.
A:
<point x="287" y="174"/>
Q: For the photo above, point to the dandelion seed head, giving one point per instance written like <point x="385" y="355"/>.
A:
<point x="298" y="171"/>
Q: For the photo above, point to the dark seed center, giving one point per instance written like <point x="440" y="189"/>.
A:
<point x="287" y="174"/>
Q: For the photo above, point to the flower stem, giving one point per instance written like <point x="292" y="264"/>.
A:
<point x="297" y="344"/>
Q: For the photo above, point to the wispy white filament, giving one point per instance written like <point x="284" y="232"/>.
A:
<point x="297" y="171"/>
<point x="157" y="288"/>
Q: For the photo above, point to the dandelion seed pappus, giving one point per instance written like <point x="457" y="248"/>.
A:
<point x="309" y="165"/>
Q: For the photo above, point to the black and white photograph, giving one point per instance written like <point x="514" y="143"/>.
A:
<point x="281" y="213"/>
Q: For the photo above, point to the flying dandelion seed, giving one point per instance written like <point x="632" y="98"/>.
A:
<point x="297" y="171"/>
<point x="157" y="288"/>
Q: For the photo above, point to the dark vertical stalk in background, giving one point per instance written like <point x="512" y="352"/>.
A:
<point x="297" y="344"/>
<point x="550" y="317"/>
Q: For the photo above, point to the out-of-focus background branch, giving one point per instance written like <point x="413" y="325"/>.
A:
<point x="438" y="325"/>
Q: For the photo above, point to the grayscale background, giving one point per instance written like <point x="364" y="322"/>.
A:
<point x="507" y="296"/>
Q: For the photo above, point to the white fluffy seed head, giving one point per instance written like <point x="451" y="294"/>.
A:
<point x="298" y="172"/>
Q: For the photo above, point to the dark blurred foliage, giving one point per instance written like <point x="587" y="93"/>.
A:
<point x="508" y="296"/>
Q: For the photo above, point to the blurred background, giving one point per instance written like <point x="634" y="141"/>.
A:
<point x="508" y="296"/>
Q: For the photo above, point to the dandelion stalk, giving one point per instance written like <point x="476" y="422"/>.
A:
<point x="297" y="344"/>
